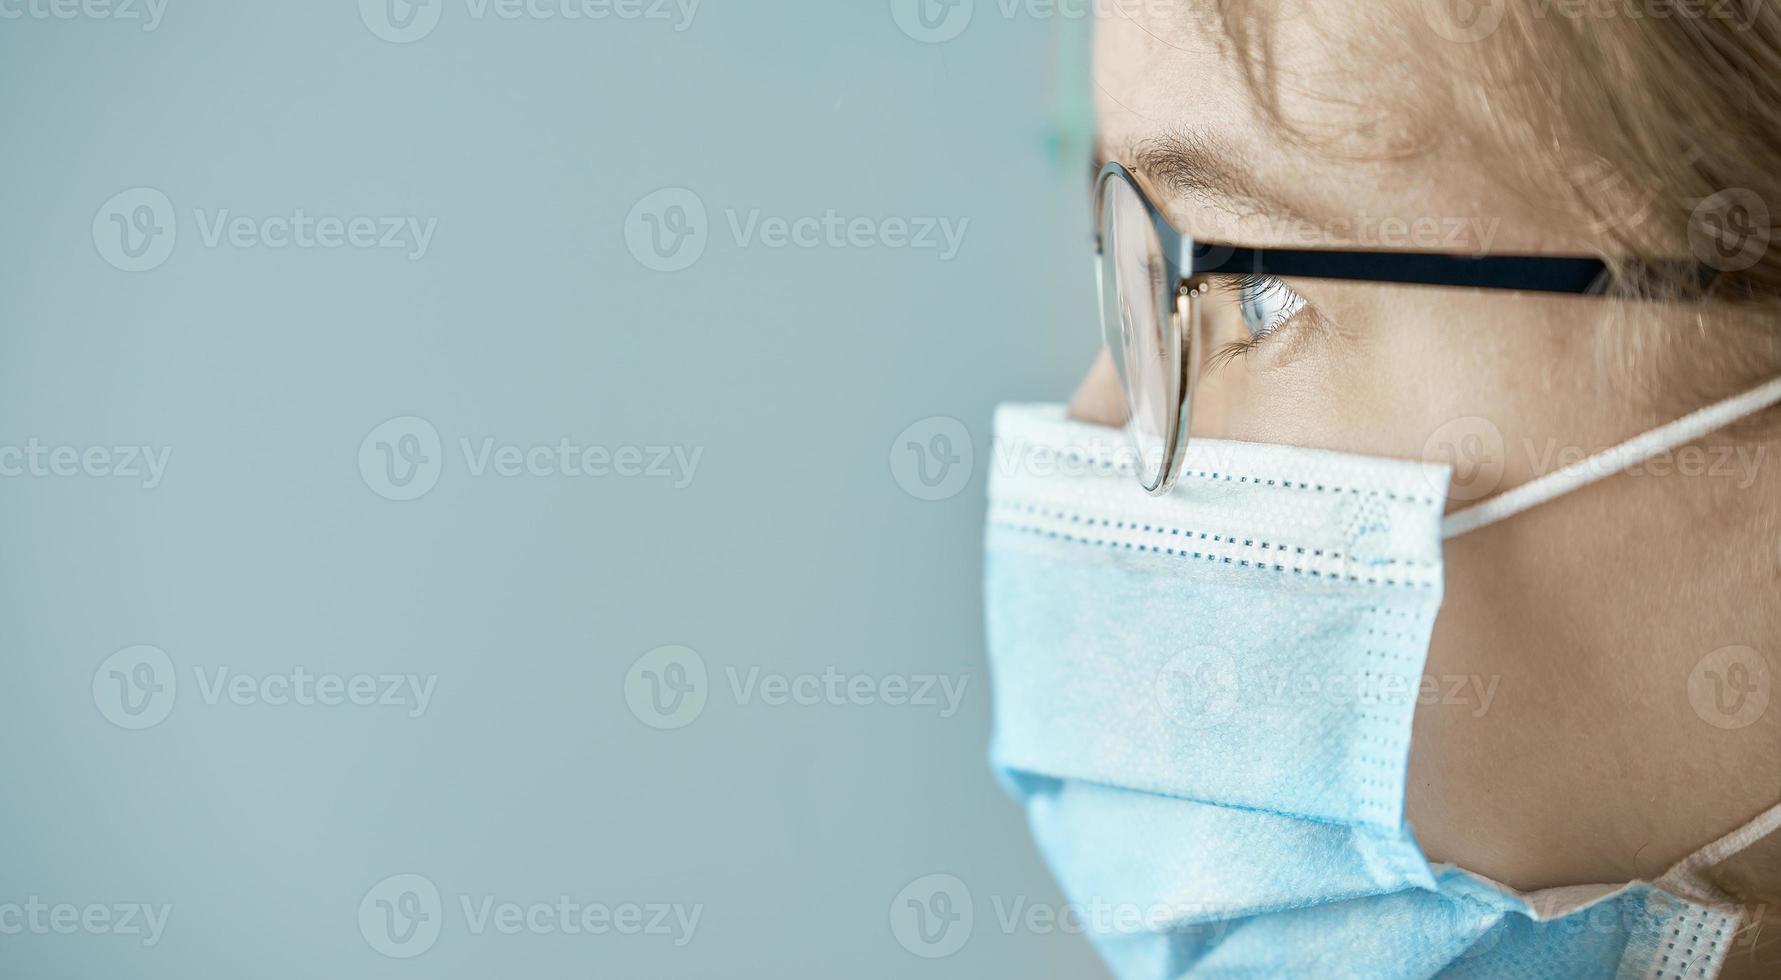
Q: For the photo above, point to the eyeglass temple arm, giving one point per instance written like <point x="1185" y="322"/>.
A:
<point x="1527" y="273"/>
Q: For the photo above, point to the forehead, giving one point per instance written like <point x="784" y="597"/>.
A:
<point x="1357" y="160"/>
<point x="1162" y="65"/>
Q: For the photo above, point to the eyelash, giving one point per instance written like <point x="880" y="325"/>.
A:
<point x="1257" y="289"/>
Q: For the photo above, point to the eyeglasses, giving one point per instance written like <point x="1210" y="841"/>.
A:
<point x="1154" y="281"/>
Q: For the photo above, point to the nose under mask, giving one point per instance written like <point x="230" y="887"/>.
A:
<point x="1204" y="702"/>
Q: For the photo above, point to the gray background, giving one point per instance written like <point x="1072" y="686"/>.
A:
<point x="796" y="546"/>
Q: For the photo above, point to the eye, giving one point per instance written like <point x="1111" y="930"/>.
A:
<point x="1265" y="303"/>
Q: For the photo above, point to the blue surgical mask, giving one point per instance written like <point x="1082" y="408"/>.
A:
<point x="1204" y="702"/>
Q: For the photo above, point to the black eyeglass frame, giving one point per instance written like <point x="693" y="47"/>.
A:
<point x="1187" y="259"/>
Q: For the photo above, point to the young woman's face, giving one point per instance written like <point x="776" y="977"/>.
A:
<point x="1564" y="746"/>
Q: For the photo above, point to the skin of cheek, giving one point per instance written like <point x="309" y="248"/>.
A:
<point x="1592" y="764"/>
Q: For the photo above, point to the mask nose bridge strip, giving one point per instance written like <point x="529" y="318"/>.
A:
<point x="1611" y="461"/>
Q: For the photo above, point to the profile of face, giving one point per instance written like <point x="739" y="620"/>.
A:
<point x="1568" y="742"/>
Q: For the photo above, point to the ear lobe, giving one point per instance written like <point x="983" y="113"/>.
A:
<point x="1099" y="399"/>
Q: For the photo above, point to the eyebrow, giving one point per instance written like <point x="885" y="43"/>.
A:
<point x="1203" y="168"/>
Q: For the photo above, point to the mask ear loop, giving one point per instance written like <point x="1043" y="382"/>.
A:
<point x="1690" y="874"/>
<point x="1611" y="461"/>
